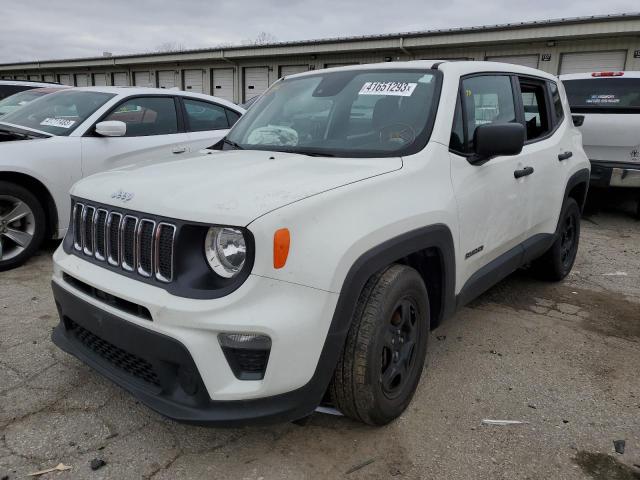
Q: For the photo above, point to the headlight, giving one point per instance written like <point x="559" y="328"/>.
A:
<point x="226" y="251"/>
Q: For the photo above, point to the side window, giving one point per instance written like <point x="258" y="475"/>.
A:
<point x="556" y="101"/>
<point x="536" y="115"/>
<point x="203" y="116"/>
<point x="146" y="116"/>
<point x="232" y="117"/>
<point x="487" y="99"/>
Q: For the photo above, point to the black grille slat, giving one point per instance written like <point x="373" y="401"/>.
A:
<point x="126" y="241"/>
<point x="100" y="237"/>
<point x="145" y="247"/>
<point x="113" y="238"/>
<point x="164" y="248"/>
<point x="77" y="226"/>
<point x="87" y="229"/>
<point x="127" y="362"/>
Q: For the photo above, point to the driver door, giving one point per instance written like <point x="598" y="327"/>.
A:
<point x="154" y="133"/>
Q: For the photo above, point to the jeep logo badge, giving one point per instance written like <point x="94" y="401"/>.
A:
<point x="121" y="195"/>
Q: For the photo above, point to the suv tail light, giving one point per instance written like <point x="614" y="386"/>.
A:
<point x="607" y="74"/>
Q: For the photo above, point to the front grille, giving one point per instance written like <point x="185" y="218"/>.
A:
<point x="130" y="242"/>
<point x="127" y="362"/>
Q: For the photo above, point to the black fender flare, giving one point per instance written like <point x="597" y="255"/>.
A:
<point x="433" y="236"/>
<point x="581" y="176"/>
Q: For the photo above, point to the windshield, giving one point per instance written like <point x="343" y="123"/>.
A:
<point x="18" y="100"/>
<point x="357" y="113"/>
<point x="59" y="113"/>
<point x="609" y="95"/>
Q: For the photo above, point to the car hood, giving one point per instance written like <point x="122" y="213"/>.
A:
<point x="229" y="188"/>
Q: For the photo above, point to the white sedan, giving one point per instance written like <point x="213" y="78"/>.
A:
<point x="49" y="144"/>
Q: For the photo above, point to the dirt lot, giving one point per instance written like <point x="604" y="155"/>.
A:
<point x="565" y="358"/>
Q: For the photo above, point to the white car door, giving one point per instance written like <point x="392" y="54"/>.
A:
<point x="547" y="152"/>
<point x="207" y="122"/>
<point x="155" y="132"/>
<point x="491" y="206"/>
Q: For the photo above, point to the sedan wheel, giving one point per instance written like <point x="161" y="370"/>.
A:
<point x="17" y="227"/>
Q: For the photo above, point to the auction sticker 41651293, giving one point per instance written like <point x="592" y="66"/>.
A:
<point x="397" y="89"/>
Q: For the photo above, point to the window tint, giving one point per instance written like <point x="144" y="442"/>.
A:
<point x="536" y="116"/>
<point x="603" y="94"/>
<point x="8" y="90"/>
<point x="147" y="116"/>
<point x="232" y="117"/>
<point x="487" y="99"/>
<point x="557" y="101"/>
<point x="204" y="116"/>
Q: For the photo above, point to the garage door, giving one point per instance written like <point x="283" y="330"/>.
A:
<point x="193" y="81"/>
<point x="21" y="77"/>
<point x="99" y="79"/>
<point x="292" y="69"/>
<point x="65" y="79"/>
<point x="256" y="81"/>
<point x="82" y="80"/>
<point x="120" y="79"/>
<point x="34" y="78"/>
<point x="524" y="60"/>
<point x="49" y="78"/>
<point x="222" y="83"/>
<point x="592" y="61"/>
<point x="142" y="79"/>
<point x="166" y="79"/>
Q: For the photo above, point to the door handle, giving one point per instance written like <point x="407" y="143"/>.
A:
<point x="523" y="173"/>
<point x="179" y="149"/>
<point x="565" y="156"/>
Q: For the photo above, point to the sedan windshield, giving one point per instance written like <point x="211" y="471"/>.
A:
<point x="59" y="113"/>
<point x="18" y="100"/>
<point x="352" y="113"/>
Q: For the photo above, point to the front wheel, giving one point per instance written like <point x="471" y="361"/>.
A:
<point x="22" y="225"/>
<point x="558" y="261"/>
<point x="384" y="354"/>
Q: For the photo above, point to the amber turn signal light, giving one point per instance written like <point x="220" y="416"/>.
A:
<point x="281" y="243"/>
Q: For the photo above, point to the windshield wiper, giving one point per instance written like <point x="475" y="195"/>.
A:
<point x="232" y="144"/>
<point x="314" y="154"/>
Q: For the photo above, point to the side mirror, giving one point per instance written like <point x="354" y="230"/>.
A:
<point x="111" y="128"/>
<point x="497" y="139"/>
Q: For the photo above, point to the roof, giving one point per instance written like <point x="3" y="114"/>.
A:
<point x="228" y="51"/>
<point x="129" y="91"/>
<point x="584" y="76"/>
<point x="28" y="83"/>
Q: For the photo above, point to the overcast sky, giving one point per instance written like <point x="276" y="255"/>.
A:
<point x="42" y="29"/>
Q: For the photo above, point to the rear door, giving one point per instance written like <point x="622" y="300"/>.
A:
<point x="155" y="132"/>
<point x="492" y="210"/>
<point x="206" y="122"/>
<point x="547" y="151"/>
<point x="607" y="110"/>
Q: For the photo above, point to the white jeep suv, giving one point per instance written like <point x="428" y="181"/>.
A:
<point x="351" y="211"/>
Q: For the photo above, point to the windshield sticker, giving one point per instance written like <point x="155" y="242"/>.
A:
<point x="58" y="122"/>
<point x="396" y="89"/>
<point x="603" y="99"/>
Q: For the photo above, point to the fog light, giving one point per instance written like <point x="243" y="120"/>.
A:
<point x="246" y="353"/>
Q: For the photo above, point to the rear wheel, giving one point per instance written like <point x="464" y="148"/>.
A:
<point x="380" y="367"/>
<point x="22" y="225"/>
<point x="558" y="261"/>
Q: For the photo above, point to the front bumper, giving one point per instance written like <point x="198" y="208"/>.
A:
<point x="173" y="362"/>
<point x="615" y="174"/>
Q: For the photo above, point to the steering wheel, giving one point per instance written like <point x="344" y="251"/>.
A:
<point x="400" y="133"/>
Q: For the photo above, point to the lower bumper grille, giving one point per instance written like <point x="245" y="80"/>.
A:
<point x="123" y="360"/>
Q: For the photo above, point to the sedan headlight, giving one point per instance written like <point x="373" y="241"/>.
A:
<point x="226" y="251"/>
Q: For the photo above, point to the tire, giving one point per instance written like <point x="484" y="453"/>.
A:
<point x="556" y="263"/>
<point x="364" y="386"/>
<point x="21" y="238"/>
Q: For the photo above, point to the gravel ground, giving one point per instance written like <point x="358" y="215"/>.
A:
<point x="564" y="358"/>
